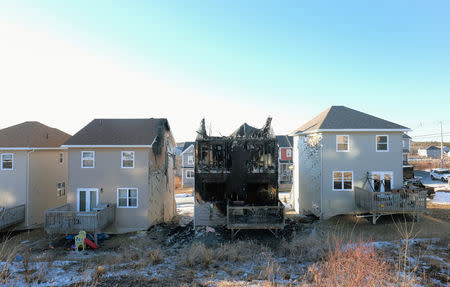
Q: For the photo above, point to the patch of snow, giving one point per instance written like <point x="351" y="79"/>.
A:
<point x="441" y="198"/>
<point x="183" y="195"/>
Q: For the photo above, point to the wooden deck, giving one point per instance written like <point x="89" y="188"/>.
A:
<point x="11" y="216"/>
<point x="63" y="219"/>
<point x="381" y="203"/>
<point x="255" y="217"/>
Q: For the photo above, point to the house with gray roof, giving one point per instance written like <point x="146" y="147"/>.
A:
<point x="339" y="152"/>
<point x="187" y="165"/>
<point x="120" y="177"/>
<point x="285" y="143"/>
<point x="33" y="173"/>
<point x="431" y="151"/>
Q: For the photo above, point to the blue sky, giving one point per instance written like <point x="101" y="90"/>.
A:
<point x="229" y="61"/>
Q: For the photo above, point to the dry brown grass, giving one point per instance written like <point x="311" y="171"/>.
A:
<point x="238" y="251"/>
<point x="311" y="248"/>
<point x="198" y="254"/>
<point x="155" y="256"/>
<point x="352" y="265"/>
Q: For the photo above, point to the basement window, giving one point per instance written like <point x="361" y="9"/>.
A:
<point x="7" y="161"/>
<point x="127" y="159"/>
<point x="383" y="143"/>
<point x="87" y="159"/>
<point x="342" y="143"/>
<point x="343" y="180"/>
<point x="127" y="197"/>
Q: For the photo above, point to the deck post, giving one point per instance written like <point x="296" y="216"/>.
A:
<point x="374" y="219"/>
<point x="96" y="238"/>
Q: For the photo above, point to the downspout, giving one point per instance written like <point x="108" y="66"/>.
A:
<point x="27" y="197"/>
<point x="321" y="181"/>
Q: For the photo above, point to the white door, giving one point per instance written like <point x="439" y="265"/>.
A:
<point x="382" y="181"/>
<point x="87" y="199"/>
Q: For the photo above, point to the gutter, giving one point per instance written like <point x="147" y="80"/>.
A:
<point x="27" y="197"/>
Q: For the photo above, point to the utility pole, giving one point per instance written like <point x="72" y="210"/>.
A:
<point x="442" y="149"/>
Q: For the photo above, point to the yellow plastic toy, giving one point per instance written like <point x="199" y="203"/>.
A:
<point x="79" y="241"/>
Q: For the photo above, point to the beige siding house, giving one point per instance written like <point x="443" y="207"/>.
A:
<point x="339" y="152"/>
<point x="121" y="165"/>
<point x="33" y="173"/>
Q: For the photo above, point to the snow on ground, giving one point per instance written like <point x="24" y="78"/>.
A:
<point x="183" y="195"/>
<point x="441" y="197"/>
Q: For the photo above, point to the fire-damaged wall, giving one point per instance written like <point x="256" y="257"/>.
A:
<point x="241" y="169"/>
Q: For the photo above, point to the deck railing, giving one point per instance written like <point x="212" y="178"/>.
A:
<point x="390" y="202"/>
<point x="63" y="219"/>
<point x="12" y="215"/>
<point x="255" y="217"/>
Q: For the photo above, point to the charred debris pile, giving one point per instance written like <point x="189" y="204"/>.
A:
<point x="237" y="170"/>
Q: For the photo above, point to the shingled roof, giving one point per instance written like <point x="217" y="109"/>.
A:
<point x="32" y="135"/>
<point x="285" y="141"/>
<point x="343" y="118"/>
<point x="187" y="145"/>
<point x="119" y="132"/>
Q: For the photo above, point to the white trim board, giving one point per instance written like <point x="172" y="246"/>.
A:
<point x="350" y="130"/>
<point x="106" y="146"/>
<point x="31" y="148"/>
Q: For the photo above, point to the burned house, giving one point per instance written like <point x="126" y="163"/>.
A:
<point x="236" y="179"/>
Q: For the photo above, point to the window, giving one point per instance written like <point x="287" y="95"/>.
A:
<point x="342" y="142"/>
<point x="189" y="174"/>
<point x="60" y="189"/>
<point x="288" y="152"/>
<point x="87" y="159"/>
<point x="127" y="197"/>
<point x="128" y="159"/>
<point x="61" y="157"/>
<point x="7" y="161"/>
<point x="342" y="180"/>
<point x="190" y="159"/>
<point x="383" y="143"/>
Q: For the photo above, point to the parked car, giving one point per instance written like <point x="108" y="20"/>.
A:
<point x="416" y="182"/>
<point x="440" y="174"/>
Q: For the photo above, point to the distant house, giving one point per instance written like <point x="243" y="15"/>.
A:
<point x="406" y="139"/>
<point x="431" y="151"/>
<point x="187" y="164"/>
<point x="285" y="143"/>
<point x="120" y="177"/>
<point x="33" y="173"/>
<point x="340" y="153"/>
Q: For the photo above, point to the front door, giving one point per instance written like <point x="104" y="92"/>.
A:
<point x="87" y="199"/>
<point x="382" y="181"/>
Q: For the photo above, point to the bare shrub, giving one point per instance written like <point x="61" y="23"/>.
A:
<point x="311" y="248"/>
<point x="198" y="254"/>
<point x="352" y="265"/>
<point x="155" y="256"/>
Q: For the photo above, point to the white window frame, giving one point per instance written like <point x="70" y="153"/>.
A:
<point x="12" y="161"/>
<point x="343" y="189"/>
<point x="93" y="159"/>
<point x="61" y="158"/>
<point x="190" y="156"/>
<point x="348" y="143"/>
<point x="387" y="143"/>
<point x="58" y="193"/>
<point x="288" y="152"/>
<point x="193" y="173"/>
<point x="128" y="197"/>
<point x="121" y="158"/>
<point x="391" y="173"/>
<point x="88" y="198"/>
